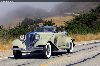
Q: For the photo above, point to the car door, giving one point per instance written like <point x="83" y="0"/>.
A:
<point x="61" y="40"/>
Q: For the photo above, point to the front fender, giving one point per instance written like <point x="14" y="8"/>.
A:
<point x="18" y="43"/>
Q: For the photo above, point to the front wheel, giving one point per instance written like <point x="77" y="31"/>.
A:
<point x="17" y="54"/>
<point x="70" y="50"/>
<point x="47" y="51"/>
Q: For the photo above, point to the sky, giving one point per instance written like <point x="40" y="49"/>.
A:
<point x="7" y="8"/>
<point x="10" y="11"/>
<point x="10" y="6"/>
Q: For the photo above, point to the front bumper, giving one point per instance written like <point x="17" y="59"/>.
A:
<point x="28" y="50"/>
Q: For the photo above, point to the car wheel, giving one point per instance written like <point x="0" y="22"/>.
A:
<point x="70" y="50"/>
<point x="47" y="51"/>
<point x="73" y="44"/>
<point x="17" y="54"/>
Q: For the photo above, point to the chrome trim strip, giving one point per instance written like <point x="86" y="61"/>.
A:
<point x="34" y="49"/>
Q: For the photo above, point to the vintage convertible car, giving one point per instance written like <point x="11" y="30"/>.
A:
<point x="45" y="40"/>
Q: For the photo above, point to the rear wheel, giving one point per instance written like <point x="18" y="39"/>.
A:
<point x="17" y="54"/>
<point x="70" y="50"/>
<point x="47" y="51"/>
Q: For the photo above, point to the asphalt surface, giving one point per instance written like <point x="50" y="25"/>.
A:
<point x="83" y="55"/>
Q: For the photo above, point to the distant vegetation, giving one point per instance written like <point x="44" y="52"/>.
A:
<point x="27" y="25"/>
<point x="85" y="23"/>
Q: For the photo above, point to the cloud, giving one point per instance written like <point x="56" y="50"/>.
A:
<point x="73" y="7"/>
<point x="22" y="12"/>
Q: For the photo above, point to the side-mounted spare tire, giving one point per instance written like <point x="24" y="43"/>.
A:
<point x="17" y="54"/>
<point x="47" y="51"/>
<point x="71" y="45"/>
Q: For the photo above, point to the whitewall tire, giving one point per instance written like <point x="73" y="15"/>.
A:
<point x="70" y="50"/>
<point x="47" y="50"/>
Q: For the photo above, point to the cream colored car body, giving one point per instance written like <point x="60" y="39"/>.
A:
<point x="58" y="41"/>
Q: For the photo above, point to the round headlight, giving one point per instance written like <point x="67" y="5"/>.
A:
<point x="22" y="37"/>
<point x="37" y="36"/>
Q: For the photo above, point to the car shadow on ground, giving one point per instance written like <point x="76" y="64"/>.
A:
<point x="38" y="56"/>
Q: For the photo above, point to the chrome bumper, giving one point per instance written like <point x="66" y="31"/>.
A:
<point x="17" y="49"/>
<point x="32" y="49"/>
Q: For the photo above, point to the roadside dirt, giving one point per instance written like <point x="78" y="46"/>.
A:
<point x="5" y="50"/>
<point x="5" y="53"/>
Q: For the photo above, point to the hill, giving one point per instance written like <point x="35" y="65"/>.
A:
<point x="60" y="21"/>
<point x="73" y="7"/>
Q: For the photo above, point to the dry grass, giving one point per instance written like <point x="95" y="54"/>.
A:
<point x="59" y="21"/>
<point x="5" y="46"/>
<point x="87" y="37"/>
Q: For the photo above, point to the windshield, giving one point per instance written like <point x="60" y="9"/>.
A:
<point x="45" y="29"/>
<point x="39" y="29"/>
<point x="48" y="29"/>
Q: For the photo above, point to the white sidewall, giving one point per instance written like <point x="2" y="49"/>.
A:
<point x="71" y="50"/>
<point x="48" y="55"/>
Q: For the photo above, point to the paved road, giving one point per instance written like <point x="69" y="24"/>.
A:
<point x="83" y="55"/>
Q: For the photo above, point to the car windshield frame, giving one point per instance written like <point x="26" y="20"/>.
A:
<point x="44" y="29"/>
